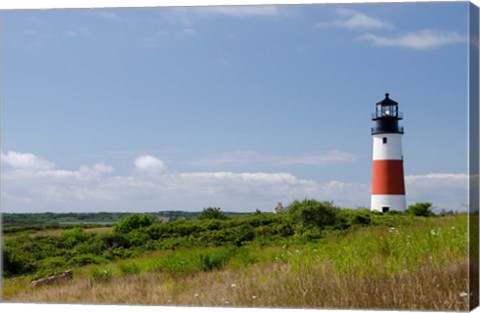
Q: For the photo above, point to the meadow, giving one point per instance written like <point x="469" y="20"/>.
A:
<point x="314" y="256"/>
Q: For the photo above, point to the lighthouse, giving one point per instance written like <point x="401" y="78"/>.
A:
<point x="388" y="185"/>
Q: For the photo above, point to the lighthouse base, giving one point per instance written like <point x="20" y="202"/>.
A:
<point x="385" y="203"/>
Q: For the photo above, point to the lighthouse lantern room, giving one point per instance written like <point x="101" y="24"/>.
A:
<point x="388" y="186"/>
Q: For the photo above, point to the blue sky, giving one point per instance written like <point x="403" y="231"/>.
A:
<point x="153" y="109"/>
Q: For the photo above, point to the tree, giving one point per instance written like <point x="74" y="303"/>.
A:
<point x="131" y="222"/>
<point x="420" y="209"/>
<point x="212" y="213"/>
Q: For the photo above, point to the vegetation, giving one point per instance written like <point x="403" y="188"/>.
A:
<point x="212" y="213"/>
<point x="131" y="222"/>
<point x="420" y="209"/>
<point x="315" y="255"/>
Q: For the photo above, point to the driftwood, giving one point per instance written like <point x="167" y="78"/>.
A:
<point x="65" y="276"/>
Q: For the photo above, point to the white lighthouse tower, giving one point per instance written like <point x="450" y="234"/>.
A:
<point x="388" y="185"/>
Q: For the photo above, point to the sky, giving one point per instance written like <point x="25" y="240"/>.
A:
<point x="240" y="107"/>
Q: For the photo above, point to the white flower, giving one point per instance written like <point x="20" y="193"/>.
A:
<point x="233" y="285"/>
<point x="463" y="294"/>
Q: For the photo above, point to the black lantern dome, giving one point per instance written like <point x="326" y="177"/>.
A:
<point x="386" y="117"/>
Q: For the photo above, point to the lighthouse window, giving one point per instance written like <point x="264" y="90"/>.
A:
<point x="384" y="139"/>
<point x="385" y="209"/>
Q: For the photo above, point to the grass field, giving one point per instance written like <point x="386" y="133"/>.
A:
<point x="418" y="265"/>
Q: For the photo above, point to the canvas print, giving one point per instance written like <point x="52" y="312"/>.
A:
<point x="315" y="156"/>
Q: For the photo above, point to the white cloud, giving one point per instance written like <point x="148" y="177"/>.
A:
<point x="149" y="163"/>
<point x="354" y="20"/>
<point x="24" y="161"/>
<point x="253" y="157"/>
<point x="445" y="190"/>
<point x="44" y="188"/>
<point x="420" y="40"/>
<point x="31" y="184"/>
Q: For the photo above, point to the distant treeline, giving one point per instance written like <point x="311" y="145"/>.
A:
<point x="23" y="219"/>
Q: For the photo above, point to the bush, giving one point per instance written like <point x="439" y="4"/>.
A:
<point x="84" y="259"/>
<point x="212" y="213"/>
<point x="243" y="234"/>
<point x="215" y="259"/>
<point x="356" y="216"/>
<point x="131" y="222"/>
<point x="129" y="269"/>
<point x="97" y="275"/>
<point x="74" y="236"/>
<point x="108" y="242"/>
<point x="53" y="262"/>
<point x="420" y="209"/>
<point x="16" y="262"/>
<point x="311" y="212"/>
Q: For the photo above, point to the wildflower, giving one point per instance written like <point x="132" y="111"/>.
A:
<point x="254" y="297"/>
<point x="433" y="232"/>
<point x="233" y="285"/>
<point x="393" y="230"/>
<point x="463" y="294"/>
<point x="196" y="295"/>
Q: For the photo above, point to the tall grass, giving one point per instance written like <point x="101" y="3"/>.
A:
<point x="422" y="266"/>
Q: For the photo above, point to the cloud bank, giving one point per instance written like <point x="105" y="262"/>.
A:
<point x="33" y="184"/>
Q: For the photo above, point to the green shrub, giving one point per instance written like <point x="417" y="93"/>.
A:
<point x="129" y="269"/>
<point x="17" y="262"/>
<point x="212" y="213"/>
<point x="212" y="225"/>
<point x="420" y="209"/>
<point x="138" y="237"/>
<point x="74" y="236"/>
<point x="131" y="222"/>
<point x="215" y="259"/>
<point x="311" y="234"/>
<point x="108" y="242"/>
<point x="53" y="262"/>
<point x="243" y="234"/>
<point x="177" y="263"/>
<point x="84" y="259"/>
<point x="97" y="275"/>
<point x="311" y="212"/>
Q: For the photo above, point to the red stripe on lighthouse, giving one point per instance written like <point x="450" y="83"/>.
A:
<point x="387" y="178"/>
